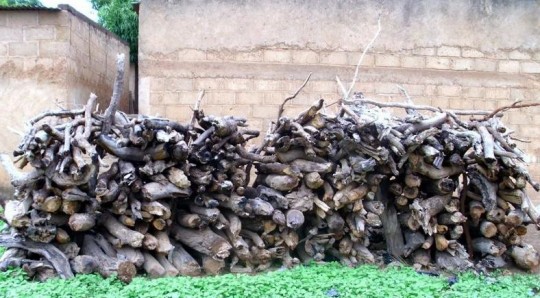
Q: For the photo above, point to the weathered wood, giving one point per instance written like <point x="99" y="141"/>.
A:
<point x="392" y="228"/>
<point x="204" y="241"/>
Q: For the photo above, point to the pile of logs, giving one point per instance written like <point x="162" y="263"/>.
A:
<point x="120" y="194"/>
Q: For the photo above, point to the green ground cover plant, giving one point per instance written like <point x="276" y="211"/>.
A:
<point x="326" y="280"/>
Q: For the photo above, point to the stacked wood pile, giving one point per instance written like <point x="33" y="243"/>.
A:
<point x="120" y="194"/>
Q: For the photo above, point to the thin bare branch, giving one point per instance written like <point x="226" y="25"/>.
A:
<point x="282" y="106"/>
<point x="515" y="105"/>
<point x="353" y="82"/>
<point x="117" y="94"/>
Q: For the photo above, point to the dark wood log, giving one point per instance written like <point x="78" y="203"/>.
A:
<point x="488" y="190"/>
<point x="50" y="252"/>
<point x="392" y="228"/>
<point x="413" y="240"/>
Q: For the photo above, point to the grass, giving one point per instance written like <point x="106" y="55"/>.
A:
<point x="329" y="280"/>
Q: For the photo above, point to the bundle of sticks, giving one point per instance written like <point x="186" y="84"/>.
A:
<point x="120" y="194"/>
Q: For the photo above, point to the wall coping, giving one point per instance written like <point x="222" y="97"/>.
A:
<point x="71" y="10"/>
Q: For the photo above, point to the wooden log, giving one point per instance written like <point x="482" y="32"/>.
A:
<point x="131" y="254"/>
<point x="422" y="257"/>
<point x="496" y="215"/>
<point x="152" y="266"/>
<point x="485" y="246"/>
<point x="514" y="218"/>
<point x="441" y="243"/>
<point x="488" y="229"/>
<point x="184" y="262"/>
<point x="350" y="194"/>
<point x="313" y="180"/>
<point x="423" y="210"/>
<point x="281" y="182"/>
<point x="15" y="212"/>
<point x="294" y="219"/>
<point x="164" y="243"/>
<point x="209" y="214"/>
<point x="451" y="218"/>
<point x="428" y="242"/>
<point x="456" y="232"/>
<point x="406" y="219"/>
<point x="413" y="240"/>
<point x="487" y="189"/>
<point x="189" y="220"/>
<point x="84" y="264"/>
<point x="51" y="204"/>
<point x="170" y="270"/>
<point x="70" y="207"/>
<point x="62" y="237"/>
<point x="451" y="263"/>
<point x="149" y="242"/>
<point x="156" y="191"/>
<point x="476" y="210"/>
<point x="212" y="266"/>
<point x="124" y="234"/>
<point x="389" y="218"/>
<point x="525" y="256"/>
<point x="204" y="241"/>
<point x="514" y="196"/>
<point x="81" y="222"/>
<point x="412" y="180"/>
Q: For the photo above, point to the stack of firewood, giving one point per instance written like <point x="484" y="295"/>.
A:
<point x="119" y="194"/>
<point x="364" y="174"/>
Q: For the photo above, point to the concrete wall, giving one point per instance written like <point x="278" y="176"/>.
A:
<point x="50" y="57"/>
<point x="250" y="55"/>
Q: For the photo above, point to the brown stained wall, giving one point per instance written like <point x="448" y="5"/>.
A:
<point x="250" y="55"/>
<point x="41" y="66"/>
<point x="92" y="66"/>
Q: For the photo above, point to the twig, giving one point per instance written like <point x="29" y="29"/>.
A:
<point x="71" y="113"/>
<point x="416" y="107"/>
<point x="515" y="105"/>
<point x="282" y="106"/>
<point x="90" y="106"/>
<point x="353" y="82"/>
<point x="117" y="93"/>
<point x="197" y="107"/>
<point x="520" y="140"/>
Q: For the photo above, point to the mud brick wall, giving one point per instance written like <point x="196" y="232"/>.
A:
<point x="51" y="58"/>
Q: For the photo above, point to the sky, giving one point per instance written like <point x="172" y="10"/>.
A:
<point x="83" y="6"/>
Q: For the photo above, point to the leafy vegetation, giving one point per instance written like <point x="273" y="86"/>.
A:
<point x="119" y="17"/>
<point x="329" y="280"/>
<point x="20" y="3"/>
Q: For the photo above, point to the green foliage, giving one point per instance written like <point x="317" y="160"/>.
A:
<point x="20" y="3"/>
<point x="118" y="16"/>
<point x="329" y="280"/>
